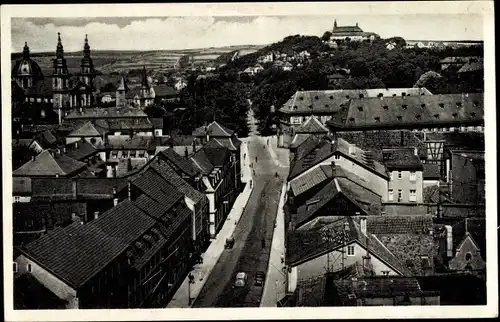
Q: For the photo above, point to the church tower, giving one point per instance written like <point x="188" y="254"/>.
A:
<point x="146" y="98"/>
<point x="335" y="24"/>
<point x="121" y="93"/>
<point x="87" y="71"/>
<point x="60" y="80"/>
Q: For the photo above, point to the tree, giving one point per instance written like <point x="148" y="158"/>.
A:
<point x="433" y="81"/>
<point x="155" y="110"/>
<point x="326" y="36"/>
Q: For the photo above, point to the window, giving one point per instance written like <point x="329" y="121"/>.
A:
<point x="413" y="195"/>
<point x="391" y="176"/>
<point x="400" y="195"/>
<point x="391" y="195"/>
<point x="400" y="174"/>
<point x="413" y="176"/>
<point x="15" y="267"/>
<point x="337" y="156"/>
<point x="17" y="199"/>
<point x="28" y="267"/>
<point x="350" y="250"/>
<point x="468" y="256"/>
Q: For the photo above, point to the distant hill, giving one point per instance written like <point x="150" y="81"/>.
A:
<point x="108" y="61"/>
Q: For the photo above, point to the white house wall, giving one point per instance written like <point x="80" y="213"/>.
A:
<point x="51" y="282"/>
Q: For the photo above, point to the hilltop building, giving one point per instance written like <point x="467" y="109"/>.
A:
<point x="353" y="33"/>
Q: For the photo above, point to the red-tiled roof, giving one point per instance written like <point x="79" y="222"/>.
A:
<point x="46" y="164"/>
<point x="78" y="252"/>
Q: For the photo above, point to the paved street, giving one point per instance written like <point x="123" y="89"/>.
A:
<point x="256" y="223"/>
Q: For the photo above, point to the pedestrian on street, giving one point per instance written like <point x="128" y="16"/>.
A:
<point x="282" y="258"/>
<point x="255" y="159"/>
<point x="263" y="242"/>
<point x="253" y="172"/>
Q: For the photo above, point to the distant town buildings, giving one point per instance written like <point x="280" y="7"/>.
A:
<point x="352" y="33"/>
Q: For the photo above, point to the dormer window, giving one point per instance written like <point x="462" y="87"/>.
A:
<point x="454" y="115"/>
<point x="422" y="105"/>
<point x="351" y="119"/>
<point x="418" y="116"/>
<point x="347" y="97"/>
<point x="441" y="105"/>
<point x="377" y="119"/>
<point x="473" y="114"/>
<point x="399" y="117"/>
<point x="326" y="105"/>
<point x="436" y="116"/>
<point x="394" y="95"/>
<point x="385" y="107"/>
<point x="403" y="94"/>
<point x="405" y="106"/>
<point x="301" y="98"/>
<point x="459" y="104"/>
<point x="476" y="103"/>
<point x="361" y="96"/>
<point x="380" y="95"/>
<point x="316" y="97"/>
<point x="331" y="97"/>
<point x="360" y="108"/>
<point x="310" y="106"/>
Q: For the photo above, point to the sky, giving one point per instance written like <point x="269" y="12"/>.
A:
<point x="184" y="32"/>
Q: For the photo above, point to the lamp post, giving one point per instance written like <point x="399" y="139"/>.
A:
<point x="191" y="281"/>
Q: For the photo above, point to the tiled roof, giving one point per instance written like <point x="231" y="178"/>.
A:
<point x="449" y="60"/>
<point x="169" y="174"/>
<point x="411" y="111"/>
<point x="470" y="154"/>
<point x="201" y="161"/>
<point x="303" y="245"/>
<point x="130" y="124"/>
<point x="46" y="164"/>
<point x="150" y="206"/>
<point x="346" y="29"/>
<point x="217" y="156"/>
<point x="320" y="152"/>
<point x="89" y="129"/>
<point x="179" y="163"/>
<point x="232" y="144"/>
<point x="298" y="139"/>
<point x="331" y="101"/>
<point x="80" y="152"/>
<point x="461" y="140"/>
<point x="311" y="125"/>
<point x="361" y="196"/>
<point x="78" y="252"/>
<point x="390" y="225"/>
<point x="46" y="139"/>
<point x="431" y="171"/>
<point x="21" y="186"/>
<point x="361" y="157"/>
<point x="376" y="141"/>
<point x="402" y="159"/>
<point x="214" y="129"/>
<point x="153" y="185"/>
<point x="377" y="287"/>
<point x="476" y="228"/>
<point x="308" y="181"/>
<point x="471" y="67"/>
<point x="110" y="112"/>
<point x="308" y="211"/>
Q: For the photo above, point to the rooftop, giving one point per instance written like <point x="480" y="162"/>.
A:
<point x="311" y="125"/>
<point x="401" y="159"/>
<point x="214" y="129"/>
<point x="49" y="164"/>
<point x="87" y="249"/>
<point x="476" y="228"/>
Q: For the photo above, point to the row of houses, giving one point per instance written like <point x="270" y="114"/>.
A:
<point x="375" y="215"/>
<point x="138" y="234"/>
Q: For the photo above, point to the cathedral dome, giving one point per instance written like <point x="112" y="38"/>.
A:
<point x="26" y="66"/>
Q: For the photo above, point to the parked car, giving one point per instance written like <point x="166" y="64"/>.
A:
<point x="229" y="242"/>
<point x="240" y="280"/>
<point x="260" y="278"/>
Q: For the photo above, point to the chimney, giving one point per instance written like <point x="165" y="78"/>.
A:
<point x="129" y="186"/>
<point x="96" y="214"/>
<point x="76" y="145"/>
<point x="64" y="149"/>
<point x="415" y="150"/>
<point x="449" y="241"/>
<point x="362" y="223"/>
<point x="74" y="189"/>
<point x="186" y="153"/>
<point x="74" y="217"/>
<point x="33" y="158"/>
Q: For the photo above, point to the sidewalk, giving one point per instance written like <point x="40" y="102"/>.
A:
<point x="275" y="287"/>
<point x="214" y="251"/>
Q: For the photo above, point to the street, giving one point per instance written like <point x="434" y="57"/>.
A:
<point x="256" y="223"/>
